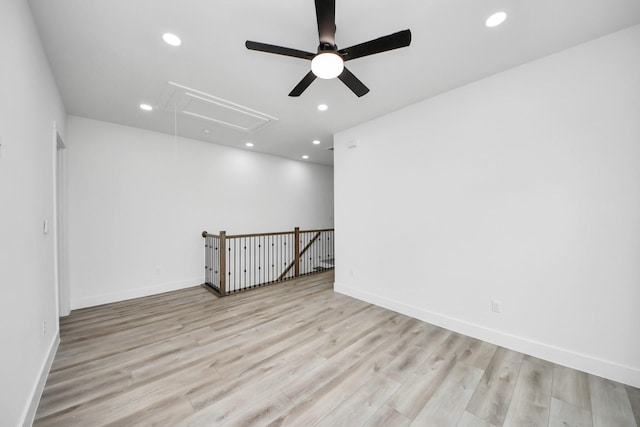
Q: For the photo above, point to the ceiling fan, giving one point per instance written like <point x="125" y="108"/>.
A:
<point x="328" y="62"/>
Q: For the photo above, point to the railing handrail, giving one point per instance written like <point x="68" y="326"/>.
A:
<point x="275" y="233"/>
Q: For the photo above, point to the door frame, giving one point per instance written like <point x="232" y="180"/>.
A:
<point x="63" y="300"/>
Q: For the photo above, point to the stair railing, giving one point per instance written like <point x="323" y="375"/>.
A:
<point x="238" y="262"/>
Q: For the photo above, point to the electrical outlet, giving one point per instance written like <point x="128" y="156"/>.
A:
<point x="496" y="306"/>
<point x="44" y="327"/>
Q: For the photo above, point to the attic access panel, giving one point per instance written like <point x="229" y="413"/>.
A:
<point x="212" y="109"/>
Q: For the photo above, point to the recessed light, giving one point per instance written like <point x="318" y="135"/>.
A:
<point x="323" y="107"/>
<point x="495" y="19"/>
<point x="146" y="107"/>
<point x="305" y="157"/>
<point x="171" y="39"/>
<point x="249" y="144"/>
<point x="206" y="131"/>
<point x="316" y="142"/>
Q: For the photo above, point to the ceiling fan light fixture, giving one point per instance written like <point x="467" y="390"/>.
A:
<point x="327" y="65"/>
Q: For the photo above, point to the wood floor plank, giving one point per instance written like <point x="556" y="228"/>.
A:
<point x="478" y="354"/>
<point x="113" y="344"/>
<point x="76" y="393"/>
<point x="256" y="369"/>
<point x="419" y="388"/>
<point x="492" y="397"/>
<point x="360" y="325"/>
<point x="165" y="412"/>
<point x="119" y="361"/>
<point x="470" y="420"/>
<point x="634" y="399"/>
<point x="218" y="404"/>
<point x="406" y="364"/>
<point x="358" y="408"/>
<point x="297" y="353"/>
<point x="267" y="410"/>
<point x="428" y="339"/>
<point x="212" y="353"/>
<point x="446" y="407"/>
<point x="564" y="414"/>
<point x="305" y="386"/>
<point x="572" y="387"/>
<point x="610" y="403"/>
<point x="531" y="400"/>
<point x="387" y="416"/>
<point x="112" y="407"/>
<point x="311" y="410"/>
<point x="422" y="338"/>
<point x="363" y="345"/>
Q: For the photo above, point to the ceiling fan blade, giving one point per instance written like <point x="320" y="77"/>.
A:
<point x="269" y="48"/>
<point x="382" y="44"/>
<point x="353" y="83"/>
<point x="304" y="84"/>
<point x="326" y="16"/>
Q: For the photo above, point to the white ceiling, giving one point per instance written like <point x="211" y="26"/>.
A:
<point x="108" y="57"/>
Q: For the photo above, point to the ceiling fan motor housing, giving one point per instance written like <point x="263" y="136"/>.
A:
<point x="327" y="47"/>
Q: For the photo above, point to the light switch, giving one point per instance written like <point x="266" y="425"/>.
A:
<point x="45" y="227"/>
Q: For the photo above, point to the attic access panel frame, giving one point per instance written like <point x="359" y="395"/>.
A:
<point x="203" y="106"/>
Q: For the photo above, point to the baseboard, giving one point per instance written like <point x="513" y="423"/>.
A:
<point x="38" y="388"/>
<point x="561" y="356"/>
<point x="107" y="298"/>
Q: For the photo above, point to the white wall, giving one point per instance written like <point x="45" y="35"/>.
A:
<point x="138" y="202"/>
<point x="523" y="187"/>
<point x="29" y="105"/>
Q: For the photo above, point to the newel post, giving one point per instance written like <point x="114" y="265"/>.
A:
<point x="223" y="263"/>
<point x="207" y="251"/>
<point x="297" y="251"/>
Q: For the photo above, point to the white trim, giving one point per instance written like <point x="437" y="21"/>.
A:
<point x="562" y="356"/>
<point x="54" y="182"/>
<point x="134" y="293"/>
<point x="59" y="223"/>
<point x="36" y="392"/>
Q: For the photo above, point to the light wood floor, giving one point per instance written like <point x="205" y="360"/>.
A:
<point x="299" y="354"/>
